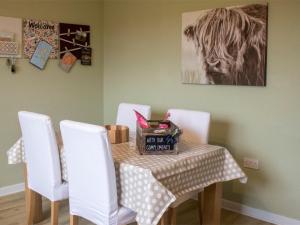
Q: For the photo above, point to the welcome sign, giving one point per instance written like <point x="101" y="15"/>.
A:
<point x="40" y="30"/>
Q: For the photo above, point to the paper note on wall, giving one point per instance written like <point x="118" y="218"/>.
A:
<point x="41" y="54"/>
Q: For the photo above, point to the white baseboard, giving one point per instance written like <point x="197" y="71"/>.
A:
<point x="259" y="214"/>
<point x="8" y="190"/>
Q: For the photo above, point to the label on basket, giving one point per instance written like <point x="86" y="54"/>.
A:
<point x="158" y="143"/>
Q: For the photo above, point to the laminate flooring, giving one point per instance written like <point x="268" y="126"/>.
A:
<point x="12" y="212"/>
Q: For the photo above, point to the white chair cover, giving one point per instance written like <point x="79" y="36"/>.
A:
<point x="42" y="156"/>
<point x="92" y="183"/>
<point x="126" y="115"/>
<point x="194" y="124"/>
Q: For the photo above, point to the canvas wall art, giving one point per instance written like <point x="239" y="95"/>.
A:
<point x="72" y="38"/>
<point x="10" y="37"/>
<point x="40" y="30"/>
<point x="225" y="46"/>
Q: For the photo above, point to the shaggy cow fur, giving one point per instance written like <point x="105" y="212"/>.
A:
<point x="232" y="44"/>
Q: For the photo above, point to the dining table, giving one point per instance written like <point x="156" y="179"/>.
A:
<point x="149" y="184"/>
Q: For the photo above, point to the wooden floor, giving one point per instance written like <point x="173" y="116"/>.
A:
<point x="12" y="212"/>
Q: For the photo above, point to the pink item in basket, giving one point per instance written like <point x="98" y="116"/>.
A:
<point x="141" y="120"/>
<point x="163" y="126"/>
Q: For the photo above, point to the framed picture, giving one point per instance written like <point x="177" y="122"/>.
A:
<point x="72" y="38"/>
<point x="41" y="54"/>
<point x="225" y="46"/>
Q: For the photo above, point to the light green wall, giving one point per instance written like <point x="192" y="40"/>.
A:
<point x="76" y="95"/>
<point x="142" y="45"/>
<point x="142" y="65"/>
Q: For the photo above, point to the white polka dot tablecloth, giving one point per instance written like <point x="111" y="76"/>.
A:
<point x="148" y="184"/>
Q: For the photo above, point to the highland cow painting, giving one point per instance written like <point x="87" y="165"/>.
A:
<point x="225" y="46"/>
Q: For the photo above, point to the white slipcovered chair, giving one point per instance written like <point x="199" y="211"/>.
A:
<point x="126" y="115"/>
<point x="91" y="174"/>
<point x="43" y="164"/>
<point x="195" y="126"/>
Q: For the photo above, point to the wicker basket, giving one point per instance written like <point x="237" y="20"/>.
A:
<point x="155" y="140"/>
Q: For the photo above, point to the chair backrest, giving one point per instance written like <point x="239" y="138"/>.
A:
<point x="41" y="152"/>
<point x="194" y="124"/>
<point x="126" y="115"/>
<point x="91" y="172"/>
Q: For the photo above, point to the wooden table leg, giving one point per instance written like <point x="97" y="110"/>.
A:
<point x="33" y="202"/>
<point x="164" y="219"/>
<point x="200" y="207"/>
<point x="172" y="216"/>
<point x="212" y="204"/>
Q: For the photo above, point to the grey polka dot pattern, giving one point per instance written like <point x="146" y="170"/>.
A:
<point x="148" y="184"/>
<point x="16" y="153"/>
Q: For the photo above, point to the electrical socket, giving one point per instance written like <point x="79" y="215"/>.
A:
<point x="251" y="163"/>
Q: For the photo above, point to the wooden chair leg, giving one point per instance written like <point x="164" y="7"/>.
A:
<point x="30" y="205"/>
<point x="54" y="212"/>
<point x="200" y="208"/>
<point x="33" y="202"/>
<point x="38" y="210"/>
<point x="172" y="216"/>
<point x="73" y="220"/>
<point x="27" y="198"/>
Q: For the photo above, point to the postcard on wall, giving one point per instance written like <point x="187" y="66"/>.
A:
<point x="86" y="56"/>
<point x="225" y="46"/>
<point x="41" y="54"/>
<point x="10" y="37"/>
<point x="73" y="37"/>
<point x="67" y="61"/>
<point x="40" y="30"/>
